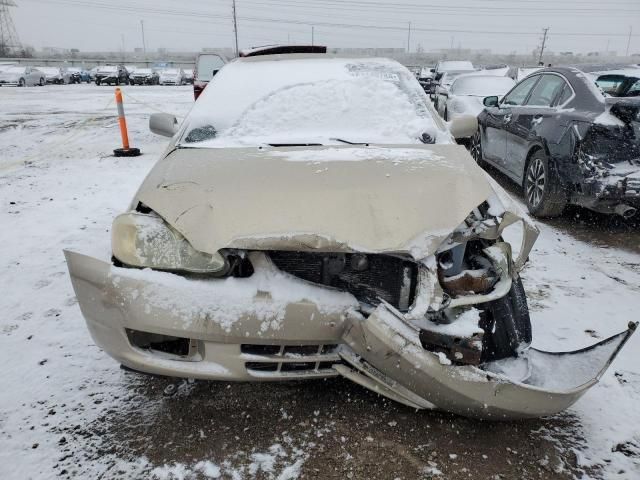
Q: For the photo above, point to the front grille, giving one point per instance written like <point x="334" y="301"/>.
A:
<point x="369" y="278"/>
<point x="272" y="360"/>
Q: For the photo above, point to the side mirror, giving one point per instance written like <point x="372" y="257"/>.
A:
<point x="490" y="101"/>
<point x="163" y="124"/>
<point x="464" y="126"/>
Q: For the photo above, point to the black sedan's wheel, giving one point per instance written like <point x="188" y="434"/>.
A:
<point x="476" y="148"/>
<point x="543" y="191"/>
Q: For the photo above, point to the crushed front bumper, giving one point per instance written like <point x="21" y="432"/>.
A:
<point x="256" y="332"/>
<point x="385" y="354"/>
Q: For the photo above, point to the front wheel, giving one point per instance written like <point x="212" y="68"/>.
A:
<point x="543" y="191"/>
<point x="21" y="82"/>
<point x="41" y="83"/>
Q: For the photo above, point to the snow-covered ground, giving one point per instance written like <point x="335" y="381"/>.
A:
<point x="60" y="188"/>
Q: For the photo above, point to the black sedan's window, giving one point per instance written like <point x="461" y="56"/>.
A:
<point x="518" y="95"/>
<point x="546" y="90"/>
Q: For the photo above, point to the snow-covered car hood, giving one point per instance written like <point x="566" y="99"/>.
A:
<point x="400" y="199"/>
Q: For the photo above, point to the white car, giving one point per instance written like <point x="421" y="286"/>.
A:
<point x="22" y="76"/>
<point x="172" y="76"/>
<point x="442" y="86"/>
<point x="55" y="75"/>
<point x="466" y="93"/>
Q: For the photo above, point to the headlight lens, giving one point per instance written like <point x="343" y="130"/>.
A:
<point x="145" y="240"/>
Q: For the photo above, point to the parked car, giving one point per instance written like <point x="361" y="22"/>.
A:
<point x="383" y="262"/>
<point x="55" y="75"/>
<point x="467" y="92"/>
<point x="145" y="76"/>
<point x="556" y="134"/>
<point x="619" y="83"/>
<point x="172" y="76"/>
<point x="207" y="66"/>
<point x="78" y="75"/>
<point x="111" y="75"/>
<point x="188" y="76"/>
<point x="22" y="76"/>
<point x="452" y="67"/>
<point x="442" y="86"/>
<point x="93" y="72"/>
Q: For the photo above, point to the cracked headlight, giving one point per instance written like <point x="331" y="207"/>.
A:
<point x="146" y="240"/>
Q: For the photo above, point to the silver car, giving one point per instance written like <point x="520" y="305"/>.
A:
<point x="56" y="75"/>
<point x="22" y="76"/>
<point x="323" y="222"/>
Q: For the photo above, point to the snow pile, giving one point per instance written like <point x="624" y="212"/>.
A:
<point x="278" y="462"/>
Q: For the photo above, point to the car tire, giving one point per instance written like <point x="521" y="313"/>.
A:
<point x="98" y="82"/>
<point x="21" y="82"/>
<point x="507" y="325"/>
<point x="543" y="192"/>
<point x="475" y="148"/>
<point x="41" y="83"/>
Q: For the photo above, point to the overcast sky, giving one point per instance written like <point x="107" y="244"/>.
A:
<point x="501" y="25"/>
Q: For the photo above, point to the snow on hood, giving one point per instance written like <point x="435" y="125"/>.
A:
<point x="404" y="200"/>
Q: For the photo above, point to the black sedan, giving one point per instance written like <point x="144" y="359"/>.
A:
<point x="560" y="137"/>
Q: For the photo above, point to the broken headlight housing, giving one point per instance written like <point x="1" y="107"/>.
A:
<point x="147" y="241"/>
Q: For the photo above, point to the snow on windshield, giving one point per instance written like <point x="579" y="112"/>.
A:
<point x="15" y="70"/>
<point x="482" y="86"/>
<point x="108" y="68"/>
<point x="257" y="101"/>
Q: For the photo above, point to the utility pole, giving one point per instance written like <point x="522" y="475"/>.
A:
<point x="629" y="39"/>
<point x="144" y="44"/>
<point x="544" y="43"/>
<point x="235" y="27"/>
<point x="409" y="39"/>
<point x="313" y="35"/>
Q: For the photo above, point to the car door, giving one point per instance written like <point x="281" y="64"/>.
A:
<point x="494" y="141"/>
<point x="30" y="76"/>
<point x="523" y="130"/>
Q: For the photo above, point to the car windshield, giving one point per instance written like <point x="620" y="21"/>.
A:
<point x="49" y="70"/>
<point x="15" y="70"/>
<point x="108" y="69"/>
<point x="170" y="71"/>
<point x="301" y="101"/>
<point x="482" y="86"/>
<point x="144" y="71"/>
<point x="449" y="77"/>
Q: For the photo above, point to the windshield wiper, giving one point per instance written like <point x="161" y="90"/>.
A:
<point x="348" y="142"/>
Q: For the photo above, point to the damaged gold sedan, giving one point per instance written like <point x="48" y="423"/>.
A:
<point x="323" y="222"/>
